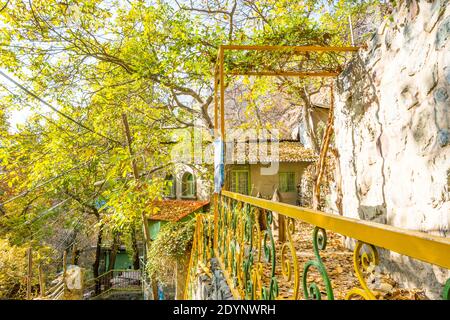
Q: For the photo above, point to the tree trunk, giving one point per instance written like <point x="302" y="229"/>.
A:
<point x="96" y="264"/>
<point x="155" y="289"/>
<point x="309" y="123"/>
<point x="113" y="254"/>
<point x="76" y="257"/>
<point x="112" y="260"/>
<point x="30" y="272"/>
<point x="144" y="219"/>
<point x="135" y="248"/>
<point x="320" y="167"/>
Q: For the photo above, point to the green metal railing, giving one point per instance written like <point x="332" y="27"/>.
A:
<point x="249" y="254"/>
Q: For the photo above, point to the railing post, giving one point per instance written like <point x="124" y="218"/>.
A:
<point x="216" y="220"/>
<point x="64" y="271"/>
<point x="30" y="272"/>
<point x="41" y="281"/>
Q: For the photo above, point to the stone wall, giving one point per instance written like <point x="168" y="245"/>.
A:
<point x="392" y="126"/>
<point x="212" y="288"/>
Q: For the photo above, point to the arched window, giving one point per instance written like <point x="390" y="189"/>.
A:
<point x="171" y="186"/>
<point x="188" y="185"/>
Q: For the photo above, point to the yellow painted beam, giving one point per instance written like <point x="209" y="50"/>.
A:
<point x="419" y="245"/>
<point x="216" y="219"/>
<point x="301" y="74"/>
<point x="292" y="48"/>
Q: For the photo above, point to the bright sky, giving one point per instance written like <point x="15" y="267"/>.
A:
<point x="18" y="117"/>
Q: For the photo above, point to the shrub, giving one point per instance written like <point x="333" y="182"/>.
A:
<point x="172" y="243"/>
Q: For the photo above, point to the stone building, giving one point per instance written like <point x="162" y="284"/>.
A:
<point x="187" y="193"/>
<point x="186" y="182"/>
<point x="249" y="177"/>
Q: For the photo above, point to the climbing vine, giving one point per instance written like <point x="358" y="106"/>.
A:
<point x="172" y="243"/>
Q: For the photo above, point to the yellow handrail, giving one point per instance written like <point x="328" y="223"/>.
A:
<point x="419" y="245"/>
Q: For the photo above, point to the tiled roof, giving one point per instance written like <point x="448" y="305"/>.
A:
<point x="288" y="151"/>
<point x="291" y="151"/>
<point x="173" y="210"/>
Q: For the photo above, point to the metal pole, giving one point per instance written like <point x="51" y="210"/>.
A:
<point x="65" y="273"/>
<point x="30" y="272"/>
<point x="222" y="95"/>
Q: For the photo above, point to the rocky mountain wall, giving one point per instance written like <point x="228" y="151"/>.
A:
<point x="392" y="131"/>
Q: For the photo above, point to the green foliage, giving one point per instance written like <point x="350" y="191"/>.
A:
<point x="13" y="266"/>
<point x="97" y="59"/>
<point x="172" y="243"/>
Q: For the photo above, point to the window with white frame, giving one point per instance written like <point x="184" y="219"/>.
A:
<point x="188" y="185"/>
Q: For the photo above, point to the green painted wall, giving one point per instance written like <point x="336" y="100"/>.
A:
<point x="154" y="226"/>
<point x="123" y="261"/>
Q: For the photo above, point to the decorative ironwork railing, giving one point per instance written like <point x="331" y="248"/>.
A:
<point x="249" y="254"/>
<point x="201" y="253"/>
<point x="120" y="280"/>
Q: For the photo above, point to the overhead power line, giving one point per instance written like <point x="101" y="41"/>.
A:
<point x="41" y="229"/>
<point x="24" y="193"/>
<point x="30" y="93"/>
<point x="40" y="114"/>
<point x="47" y="212"/>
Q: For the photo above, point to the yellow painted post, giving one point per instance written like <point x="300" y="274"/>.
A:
<point x="222" y="94"/>
<point x="291" y="48"/>
<point x="191" y="266"/>
<point x="216" y="105"/>
<point x="276" y="73"/>
<point x="216" y="219"/>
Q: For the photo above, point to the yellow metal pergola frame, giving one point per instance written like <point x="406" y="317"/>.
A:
<point x="219" y="73"/>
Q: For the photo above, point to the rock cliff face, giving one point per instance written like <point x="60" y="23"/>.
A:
<point x="392" y="127"/>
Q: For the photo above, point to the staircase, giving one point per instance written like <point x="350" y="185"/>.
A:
<point x="113" y="281"/>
